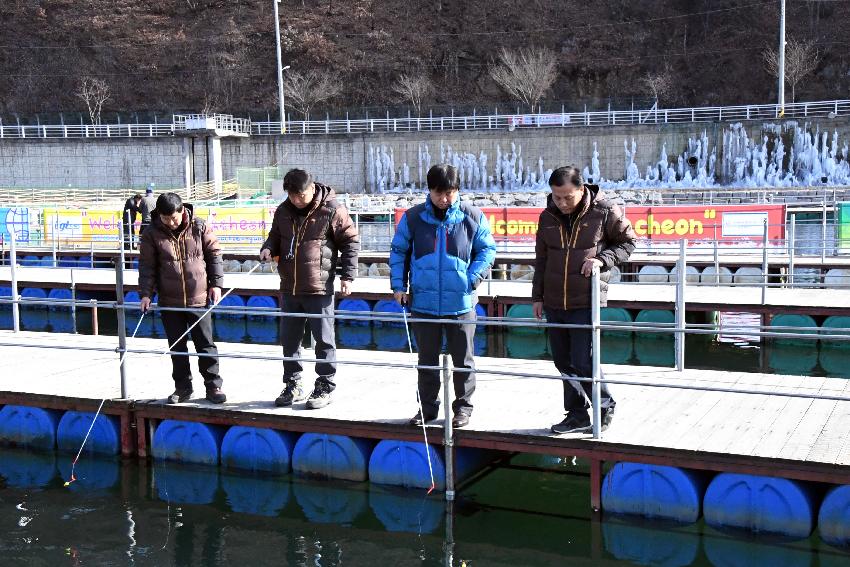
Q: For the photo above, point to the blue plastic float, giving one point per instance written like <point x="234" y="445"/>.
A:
<point x="25" y="426"/>
<point x="760" y="504"/>
<point x="257" y="449"/>
<point x="104" y="439"/>
<point x="405" y="463"/>
<point x="653" y="491"/>
<point x="187" y="442"/>
<point x="61" y="294"/>
<point x="320" y="455"/>
<point x="834" y="517"/>
<point x="263" y="329"/>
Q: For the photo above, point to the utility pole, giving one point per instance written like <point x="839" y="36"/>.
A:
<point x="781" y="102"/>
<point x="280" y="66"/>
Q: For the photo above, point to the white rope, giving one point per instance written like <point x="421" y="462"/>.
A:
<point x="421" y="410"/>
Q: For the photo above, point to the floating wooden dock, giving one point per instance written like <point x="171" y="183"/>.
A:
<point x="757" y="428"/>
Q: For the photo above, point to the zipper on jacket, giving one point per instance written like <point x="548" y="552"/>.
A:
<point x="298" y="234"/>
<point x="182" y="270"/>
<point x="576" y="229"/>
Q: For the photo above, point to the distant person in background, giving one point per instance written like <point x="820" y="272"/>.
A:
<point x="128" y="220"/>
<point x="313" y="236"/>
<point x="441" y="251"/>
<point x="180" y="258"/>
<point x="580" y="229"/>
<point x="146" y="207"/>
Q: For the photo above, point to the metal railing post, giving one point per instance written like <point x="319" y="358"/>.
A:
<point x="119" y="308"/>
<point x="595" y="346"/>
<point x="764" y="264"/>
<point x="680" y="305"/>
<point x="13" y="261"/>
<point x="73" y="304"/>
<point x="823" y="234"/>
<point x="791" y="237"/>
<point x="716" y="259"/>
<point x="55" y="242"/>
<point x="448" y="440"/>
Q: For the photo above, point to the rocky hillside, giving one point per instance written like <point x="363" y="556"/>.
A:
<point x="219" y="54"/>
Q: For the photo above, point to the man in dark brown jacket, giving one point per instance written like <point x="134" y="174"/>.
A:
<point x="580" y="229"/>
<point x="312" y="236"/>
<point x="180" y="259"/>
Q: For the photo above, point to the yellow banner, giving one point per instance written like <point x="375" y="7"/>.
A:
<point x="82" y="225"/>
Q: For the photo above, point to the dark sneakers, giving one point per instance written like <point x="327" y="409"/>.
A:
<point x="460" y="420"/>
<point x="179" y="396"/>
<point x="579" y="422"/>
<point x="575" y="422"/>
<point x="291" y="394"/>
<point x="417" y="420"/>
<point x="320" y="397"/>
<point x="216" y="396"/>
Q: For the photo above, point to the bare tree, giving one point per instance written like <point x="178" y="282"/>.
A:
<point x="525" y="75"/>
<point x="94" y="93"/>
<point x="801" y="59"/>
<point x="413" y="89"/>
<point x="306" y="90"/>
<point x="660" y="85"/>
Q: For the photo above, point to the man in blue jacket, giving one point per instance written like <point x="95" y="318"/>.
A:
<point x="443" y="249"/>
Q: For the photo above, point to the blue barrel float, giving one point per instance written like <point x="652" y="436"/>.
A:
<point x="230" y="327"/>
<point x="29" y="427"/>
<point x="133" y="314"/>
<point x="834" y="356"/>
<point x="405" y="463"/>
<point x="480" y="339"/>
<point x="104" y="439"/>
<point x="325" y="503"/>
<point x="653" y="348"/>
<point x="760" y="504"/>
<point x="653" y="491"/>
<point x="257" y="449"/>
<point x="34" y="316"/>
<point x="262" y="329"/>
<point x="187" y="442"/>
<point x="390" y="335"/>
<point x="834" y="516"/>
<point x="524" y="342"/>
<point x="320" y="455"/>
<point x="401" y="510"/>
<point x="29" y="261"/>
<point x="354" y="333"/>
<point x="794" y="320"/>
<point x="28" y="469"/>
<point x="5" y="308"/>
<point x="648" y="545"/>
<point x="617" y="347"/>
<point x="59" y="316"/>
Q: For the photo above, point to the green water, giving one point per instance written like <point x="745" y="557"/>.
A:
<point x="164" y="514"/>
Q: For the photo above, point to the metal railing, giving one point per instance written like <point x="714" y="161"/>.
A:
<point x="804" y="110"/>
<point x="221" y="122"/>
<point x="679" y="329"/>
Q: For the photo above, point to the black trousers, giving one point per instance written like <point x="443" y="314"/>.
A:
<point x="292" y="333"/>
<point x="572" y="353"/>
<point x="176" y="323"/>
<point x="459" y="342"/>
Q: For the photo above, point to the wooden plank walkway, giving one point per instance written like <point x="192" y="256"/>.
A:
<point x="760" y="433"/>
<point x="641" y="296"/>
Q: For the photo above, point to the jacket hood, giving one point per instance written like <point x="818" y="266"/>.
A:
<point x="453" y="214"/>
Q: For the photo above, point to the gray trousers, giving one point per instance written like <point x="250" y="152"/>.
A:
<point x="292" y="333"/>
<point x="459" y="342"/>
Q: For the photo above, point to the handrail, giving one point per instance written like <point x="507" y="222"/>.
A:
<point x="815" y="109"/>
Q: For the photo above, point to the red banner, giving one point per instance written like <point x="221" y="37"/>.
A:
<point x="694" y="222"/>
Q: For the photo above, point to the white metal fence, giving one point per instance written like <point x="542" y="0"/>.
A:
<point x="800" y="110"/>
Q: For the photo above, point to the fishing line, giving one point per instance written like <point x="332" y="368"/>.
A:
<point x="124" y="357"/>
<point x="421" y="410"/>
<point x="100" y="407"/>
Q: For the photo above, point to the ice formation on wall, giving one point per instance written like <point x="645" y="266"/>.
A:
<point x="814" y="157"/>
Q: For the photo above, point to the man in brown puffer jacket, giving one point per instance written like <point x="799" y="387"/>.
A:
<point x="180" y="259"/>
<point x="312" y="235"/>
<point x="579" y="229"/>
